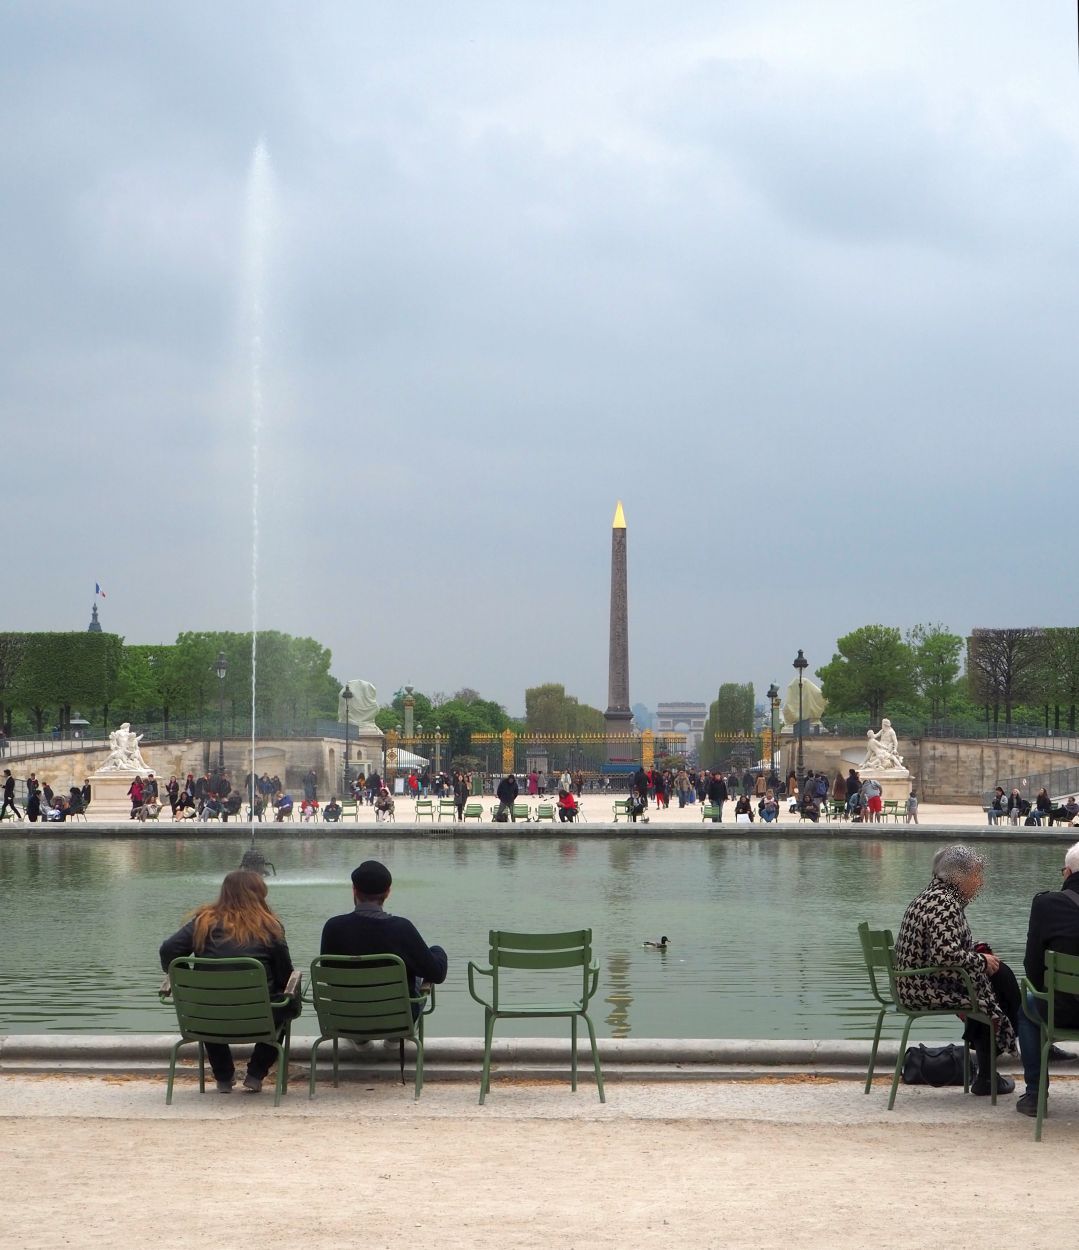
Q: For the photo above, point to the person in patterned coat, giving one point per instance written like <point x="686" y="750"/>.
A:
<point x="934" y="932"/>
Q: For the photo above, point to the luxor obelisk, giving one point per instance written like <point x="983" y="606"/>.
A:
<point x="618" y="717"/>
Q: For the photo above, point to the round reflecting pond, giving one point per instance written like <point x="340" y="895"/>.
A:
<point x="763" y="931"/>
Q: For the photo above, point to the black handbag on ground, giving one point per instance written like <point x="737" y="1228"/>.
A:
<point x="936" y="1065"/>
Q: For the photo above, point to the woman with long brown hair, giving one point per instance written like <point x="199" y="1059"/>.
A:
<point x="239" y="924"/>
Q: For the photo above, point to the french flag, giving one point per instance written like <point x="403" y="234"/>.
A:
<point x="98" y="590"/>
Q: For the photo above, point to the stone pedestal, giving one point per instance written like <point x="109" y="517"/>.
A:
<point x="894" y="782"/>
<point x="109" y="799"/>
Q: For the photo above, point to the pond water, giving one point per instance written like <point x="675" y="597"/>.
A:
<point x="763" y="931"/>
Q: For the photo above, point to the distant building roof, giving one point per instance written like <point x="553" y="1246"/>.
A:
<point x="95" y="625"/>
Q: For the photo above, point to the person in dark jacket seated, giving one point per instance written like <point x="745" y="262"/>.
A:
<point x="1053" y="926"/>
<point x="240" y="923"/>
<point x="371" y="930"/>
<point x="1065" y="813"/>
<point x="231" y="805"/>
<point x="744" y="806"/>
<point x="332" y="811"/>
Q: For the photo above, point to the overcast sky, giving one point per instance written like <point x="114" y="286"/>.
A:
<point x="796" y="282"/>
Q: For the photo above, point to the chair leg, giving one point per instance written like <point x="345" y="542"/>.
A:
<point x="280" y="1082"/>
<point x="899" y="1062"/>
<point x="202" y="1068"/>
<point x="335" y="1063"/>
<point x="488" y="1037"/>
<point x="401" y="1057"/>
<point x="595" y="1056"/>
<point x="419" y="1062"/>
<point x="966" y="1067"/>
<point x="314" y="1065"/>
<point x="992" y="1062"/>
<point x="873" y="1052"/>
<point x="288" y="1051"/>
<point x="573" y="1053"/>
<point x="1043" y="1087"/>
<point x="172" y="1071"/>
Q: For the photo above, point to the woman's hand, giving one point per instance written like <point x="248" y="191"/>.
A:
<point x="992" y="963"/>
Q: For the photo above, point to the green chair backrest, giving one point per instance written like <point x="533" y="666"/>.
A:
<point x="1061" y="977"/>
<point x="361" y="996"/>
<point x="540" y="952"/>
<point x="878" y="951"/>
<point x="222" y="1000"/>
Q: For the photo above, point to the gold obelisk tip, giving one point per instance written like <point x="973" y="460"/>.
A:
<point x="619" y="522"/>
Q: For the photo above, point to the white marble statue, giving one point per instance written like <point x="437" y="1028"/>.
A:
<point x="124" y="753"/>
<point x="882" y="748"/>
<point x="362" y="706"/>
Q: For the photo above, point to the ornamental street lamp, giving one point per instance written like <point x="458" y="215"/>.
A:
<point x="773" y="699"/>
<point x="221" y="668"/>
<point x="801" y="664"/>
<point x="438" y="750"/>
<point x="348" y="696"/>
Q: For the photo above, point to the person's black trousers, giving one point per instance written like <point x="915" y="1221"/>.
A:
<point x="977" y="1034"/>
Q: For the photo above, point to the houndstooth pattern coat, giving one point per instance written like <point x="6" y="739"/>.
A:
<point x="933" y="932"/>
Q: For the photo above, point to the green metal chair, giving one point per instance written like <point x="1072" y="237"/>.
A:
<point x="710" y="812"/>
<point x="447" y="809"/>
<point x="364" y="997"/>
<point x="1061" y="977"/>
<point x="226" y="1001"/>
<point x="878" y="950"/>
<point x="473" y="810"/>
<point x="545" y="811"/>
<point x="425" y="807"/>
<point x="537" y="952"/>
<point x="621" y="808"/>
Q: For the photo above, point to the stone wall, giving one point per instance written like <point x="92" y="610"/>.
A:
<point x="289" y="758"/>
<point x="953" y="770"/>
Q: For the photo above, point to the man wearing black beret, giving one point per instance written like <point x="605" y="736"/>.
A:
<point x="370" y="930"/>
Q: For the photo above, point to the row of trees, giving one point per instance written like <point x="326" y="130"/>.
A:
<point x="732" y="712"/>
<point x="457" y="717"/>
<point x="1025" y="675"/>
<point x="44" y="677"/>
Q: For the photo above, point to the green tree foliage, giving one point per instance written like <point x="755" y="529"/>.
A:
<point x="56" y="672"/>
<point x="730" y="713"/>
<point x="548" y="709"/>
<point x="457" y="719"/>
<point x="873" y="666"/>
<point x="937" y="661"/>
<point x="1004" y="667"/>
<point x="1059" y="680"/>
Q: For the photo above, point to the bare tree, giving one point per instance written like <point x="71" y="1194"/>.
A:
<point x="1003" y="667"/>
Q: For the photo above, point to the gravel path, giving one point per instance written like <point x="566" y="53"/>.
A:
<point x="91" y="1162"/>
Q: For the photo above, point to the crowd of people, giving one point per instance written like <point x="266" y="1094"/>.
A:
<point x="1017" y="810"/>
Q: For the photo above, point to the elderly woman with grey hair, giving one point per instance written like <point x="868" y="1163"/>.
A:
<point x="934" y="933"/>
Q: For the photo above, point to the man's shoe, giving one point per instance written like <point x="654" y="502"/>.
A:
<point x="1005" y="1085"/>
<point x="1027" y="1104"/>
<point x="225" y="1087"/>
<point x="1057" y="1055"/>
<point x="253" y="1084"/>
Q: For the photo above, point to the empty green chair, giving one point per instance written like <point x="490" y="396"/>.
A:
<point x="364" y="997"/>
<point x="878" y="950"/>
<point x="473" y="810"/>
<point x="545" y="811"/>
<point x="425" y="807"/>
<point x="1061" y="977"/>
<point x="447" y="809"/>
<point x="521" y="812"/>
<point x="226" y="1001"/>
<point x="621" y="808"/>
<point x="536" y="952"/>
